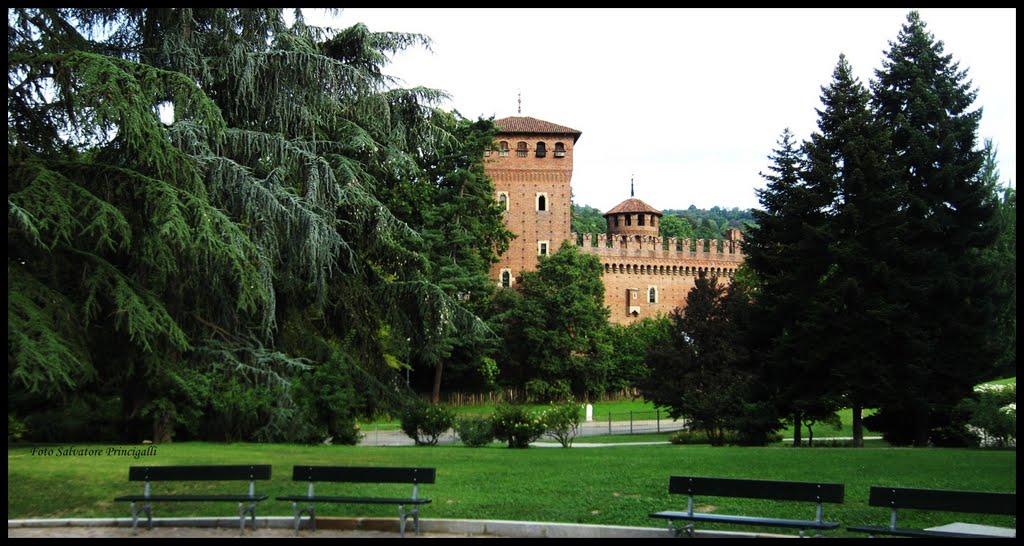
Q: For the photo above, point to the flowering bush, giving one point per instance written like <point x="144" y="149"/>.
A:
<point x="516" y="425"/>
<point x="562" y="422"/>
<point x="425" y="423"/>
<point x="993" y="415"/>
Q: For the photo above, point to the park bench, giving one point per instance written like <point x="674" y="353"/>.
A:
<point x="692" y="486"/>
<point x="972" y="502"/>
<point x="246" y="501"/>
<point x="305" y="504"/>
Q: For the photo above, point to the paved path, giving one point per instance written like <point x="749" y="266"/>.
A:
<point x="593" y="428"/>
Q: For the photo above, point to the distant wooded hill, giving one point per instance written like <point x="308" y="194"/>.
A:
<point x="691" y="223"/>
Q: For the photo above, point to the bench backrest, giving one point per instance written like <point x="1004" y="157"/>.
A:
<point x="199" y="472"/>
<point x="973" y="502"/>
<point x="757" y="489"/>
<point x="364" y="474"/>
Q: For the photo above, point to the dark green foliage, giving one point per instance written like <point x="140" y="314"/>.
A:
<point x="950" y="295"/>
<point x="517" y="425"/>
<point x="555" y="329"/>
<point x="425" y="422"/>
<point x="699" y="372"/>
<point x="189" y="186"/>
<point x="629" y="348"/>
<point x="474" y="431"/>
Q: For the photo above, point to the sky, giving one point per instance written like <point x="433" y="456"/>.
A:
<point x="685" y="104"/>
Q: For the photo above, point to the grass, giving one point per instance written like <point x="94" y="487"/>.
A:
<point x="617" y="485"/>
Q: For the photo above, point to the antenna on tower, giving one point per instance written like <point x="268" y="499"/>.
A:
<point x="520" y="101"/>
<point x="631" y="185"/>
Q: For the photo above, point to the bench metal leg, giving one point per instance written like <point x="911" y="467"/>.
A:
<point x="402" y="515"/>
<point x="148" y="509"/>
<point x="242" y="511"/>
<point x="298" y="516"/>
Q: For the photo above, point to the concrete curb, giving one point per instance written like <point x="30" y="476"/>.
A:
<point x="460" y="527"/>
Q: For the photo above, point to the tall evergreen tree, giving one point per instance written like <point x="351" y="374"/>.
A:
<point x="924" y="99"/>
<point x="787" y="250"/>
<point x="848" y="163"/>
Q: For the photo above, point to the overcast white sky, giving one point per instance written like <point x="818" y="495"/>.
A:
<point x="687" y="102"/>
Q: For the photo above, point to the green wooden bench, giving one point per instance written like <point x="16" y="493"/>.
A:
<point x="246" y="500"/>
<point x="694" y="486"/>
<point x="971" y="502"/>
<point x="305" y="504"/>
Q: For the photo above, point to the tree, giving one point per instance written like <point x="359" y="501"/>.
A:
<point x="847" y="162"/>
<point x="949" y="292"/>
<point x="463" y="232"/>
<point x="556" y="342"/>
<point x="787" y="252"/>
<point x="1002" y="258"/>
<point x="154" y="259"/>
<point x="698" y="372"/>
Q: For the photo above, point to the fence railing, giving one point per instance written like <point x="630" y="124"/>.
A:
<point x="634" y="422"/>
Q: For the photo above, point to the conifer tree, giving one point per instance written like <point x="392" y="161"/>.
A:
<point x="925" y="100"/>
<point x="848" y="162"/>
<point x="186" y="187"/>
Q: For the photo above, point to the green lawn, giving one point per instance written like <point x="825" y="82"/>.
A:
<point x="617" y="485"/>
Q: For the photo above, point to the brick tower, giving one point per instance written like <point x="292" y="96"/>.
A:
<point x="532" y="174"/>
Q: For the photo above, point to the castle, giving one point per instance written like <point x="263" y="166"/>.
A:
<point x="644" y="274"/>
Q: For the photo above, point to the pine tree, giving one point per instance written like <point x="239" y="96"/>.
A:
<point x="847" y="160"/>
<point x="788" y="252"/>
<point x="924" y="99"/>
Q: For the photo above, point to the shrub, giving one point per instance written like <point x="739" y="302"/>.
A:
<point x="688" y="437"/>
<point x="516" y="425"/>
<point x="474" y="431"/>
<point x="425" y="423"/>
<point x="993" y="415"/>
<point x="562" y="422"/>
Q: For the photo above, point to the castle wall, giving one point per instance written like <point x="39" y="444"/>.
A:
<point x="632" y="266"/>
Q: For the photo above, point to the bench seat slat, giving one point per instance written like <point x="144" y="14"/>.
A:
<point x="191" y="498"/>
<point x="354" y="500"/>
<point x="199" y="473"/>
<point x="747" y="520"/>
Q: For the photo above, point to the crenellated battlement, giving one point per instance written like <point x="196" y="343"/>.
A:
<point x="667" y="248"/>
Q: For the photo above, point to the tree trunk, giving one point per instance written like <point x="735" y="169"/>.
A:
<point x="797" y="425"/>
<point x="436" y="395"/>
<point x="858" y="425"/>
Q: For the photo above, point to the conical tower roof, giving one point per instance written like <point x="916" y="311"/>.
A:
<point x="633" y="205"/>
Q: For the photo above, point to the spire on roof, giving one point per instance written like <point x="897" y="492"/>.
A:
<point x="520" y="101"/>
<point x="631" y="186"/>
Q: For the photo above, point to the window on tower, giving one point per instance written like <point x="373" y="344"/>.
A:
<point x="542" y="149"/>
<point x="542" y="202"/>
<point x="503" y="200"/>
<point x="503" y="149"/>
<point x="559" y="149"/>
<point x="521" y="149"/>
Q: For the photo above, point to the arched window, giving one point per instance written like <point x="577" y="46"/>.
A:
<point x="506" y="278"/>
<point x="521" y="149"/>
<point x="503" y="200"/>
<point x="542" y="149"/>
<point x="559" y="149"/>
<point x="503" y="149"/>
<point x="542" y="202"/>
<point x="652" y="294"/>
